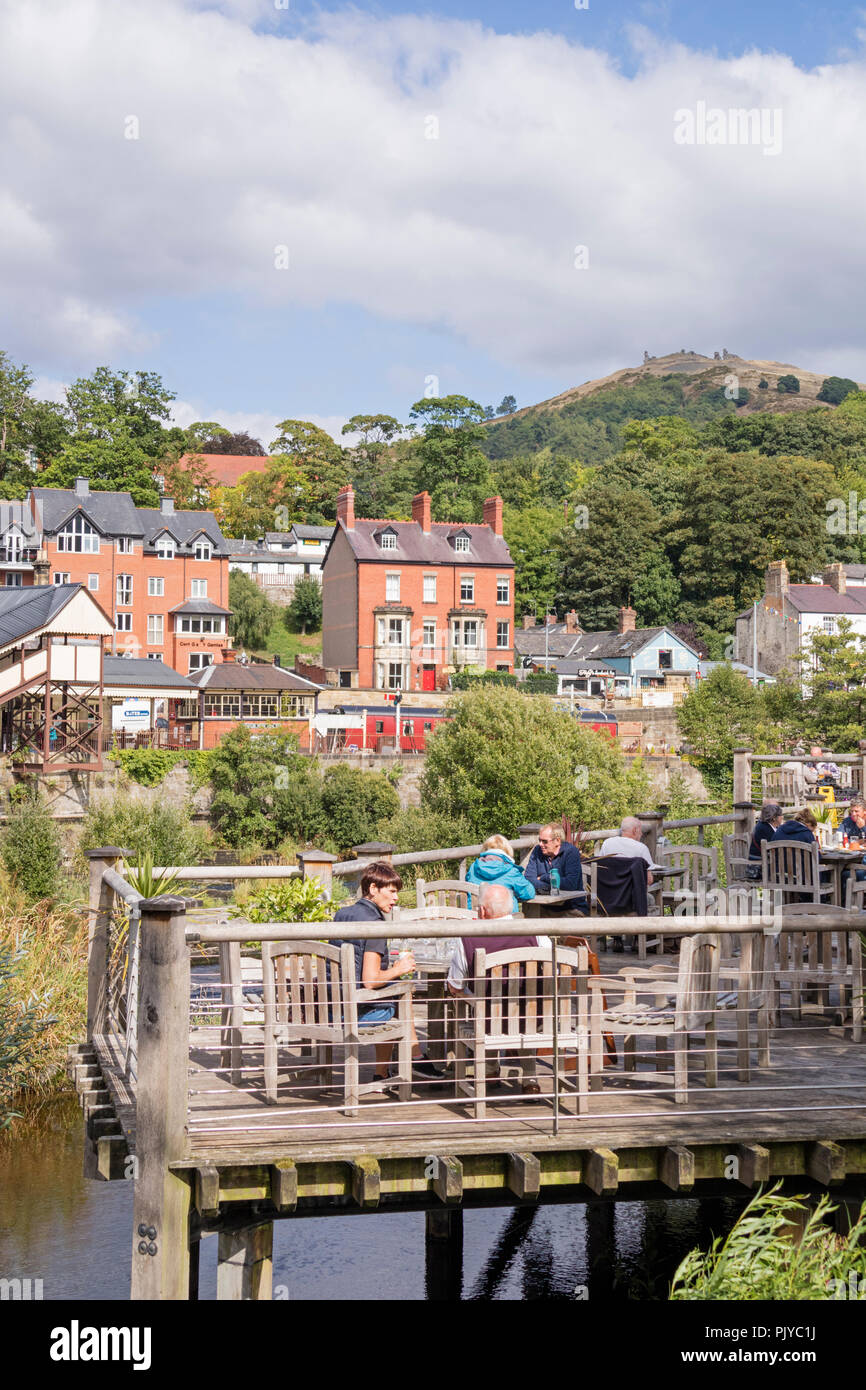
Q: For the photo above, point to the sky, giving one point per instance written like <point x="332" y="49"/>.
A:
<point x="292" y="211"/>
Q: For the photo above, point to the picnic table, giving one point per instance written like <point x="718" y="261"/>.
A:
<point x="837" y="861"/>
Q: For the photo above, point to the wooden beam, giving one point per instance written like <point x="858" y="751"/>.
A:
<point x="523" y="1176"/>
<point x="601" y="1172"/>
<point x="753" y="1164"/>
<point x="825" y="1162"/>
<point x="207" y="1189"/>
<point x="284" y="1185"/>
<point x="111" y="1155"/>
<point x="104" y="1124"/>
<point x="448" y="1179"/>
<point x="245" y="1263"/>
<point x="366" y="1182"/>
<point x="677" y="1168"/>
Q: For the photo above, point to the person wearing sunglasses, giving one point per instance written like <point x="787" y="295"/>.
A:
<point x="553" y="855"/>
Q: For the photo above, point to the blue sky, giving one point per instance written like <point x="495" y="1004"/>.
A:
<point x="415" y="256"/>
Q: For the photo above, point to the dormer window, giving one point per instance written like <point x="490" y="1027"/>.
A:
<point x="165" y="547"/>
<point x="388" y="540"/>
<point x="203" y="550"/>
<point x="461" y="543"/>
<point x="78" y="536"/>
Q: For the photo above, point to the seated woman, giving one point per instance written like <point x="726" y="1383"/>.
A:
<point x="801" y="827"/>
<point x="769" y="820"/>
<point x="496" y="865"/>
<point x="380" y="884"/>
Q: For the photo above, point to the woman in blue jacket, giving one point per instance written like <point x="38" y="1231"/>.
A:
<point x="496" y="865"/>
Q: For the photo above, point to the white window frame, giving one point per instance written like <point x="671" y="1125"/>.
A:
<point x="202" y="550"/>
<point x="93" y="583"/>
<point x="461" y="545"/>
<point x="166" y="548"/>
<point x="155" y="586"/>
<point x="503" y="581"/>
<point x="392" y="587"/>
<point x="428" y="634"/>
<point x="78" y="529"/>
<point x="502" y="631"/>
<point x="198" y="588"/>
<point x="395" y="632"/>
<point x="125" y="545"/>
<point x="395" y="675"/>
<point x="198" y="661"/>
<point x="14" y="580"/>
<point x="155" y="629"/>
<point x="60" y="577"/>
<point x="387" y="541"/>
<point x="470" y="624"/>
<point x="429" y="588"/>
<point x="467" y="582"/>
<point x="124" y="586"/>
<point x="828" y="625"/>
<point x="123" y="622"/>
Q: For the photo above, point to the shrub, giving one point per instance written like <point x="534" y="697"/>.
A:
<point x="285" y="900"/>
<point x="305" y="609"/>
<point x="759" y="1259"/>
<point x="418" y="828"/>
<point x="541" y="683"/>
<point x="30" y="850"/>
<point x="354" y="803"/>
<point x="788" y="385"/>
<point x="836" y="388"/>
<point x="763" y="384"/>
<point x="166" y="832"/>
<point x="468" y="680"/>
<point x="252" y="614"/>
<point x="503" y="760"/>
<point x="150" y="766"/>
<point x="244" y="774"/>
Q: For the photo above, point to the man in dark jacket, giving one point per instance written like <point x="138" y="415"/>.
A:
<point x="554" y="853"/>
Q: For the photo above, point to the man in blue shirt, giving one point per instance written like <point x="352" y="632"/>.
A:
<point x="553" y="852"/>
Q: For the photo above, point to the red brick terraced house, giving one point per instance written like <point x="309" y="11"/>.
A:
<point x="407" y="603"/>
<point x="163" y="575"/>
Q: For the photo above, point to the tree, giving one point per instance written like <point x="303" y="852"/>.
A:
<point x="602" y="560"/>
<point x="504" y="759"/>
<point x="305" y="609"/>
<point x="788" y="384"/>
<point x="507" y="406"/>
<point x="222" y="442"/>
<point x="30" y="848"/>
<point x="763" y="384"/>
<point x="530" y="534"/>
<point x="354" y="803"/>
<point x="836" y="388"/>
<point x="15" y="383"/>
<point x="451" y="466"/>
<point x="253" y="615"/>
<point x="304" y="448"/>
<point x="368" y="459"/>
<point x="834" y="669"/>
<point x="249" y="778"/>
<point x="655" y="593"/>
<point x="723" y="712"/>
<point x="268" y="501"/>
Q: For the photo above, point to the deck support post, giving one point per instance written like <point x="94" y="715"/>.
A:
<point x="653" y="824"/>
<point x="753" y="1164"/>
<point x="162" y="1202"/>
<point x="743" y="788"/>
<point x="316" y="863"/>
<point x="443" y="1249"/>
<point x="600" y="1249"/>
<point x="100" y="900"/>
<point x="245" y="1263"/>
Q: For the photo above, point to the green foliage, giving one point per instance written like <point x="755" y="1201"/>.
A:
<point x="602" y="561"/>
<point x="30" y="848"/>
<point x="252" y="614"/>
<point x="788" y="384"/>
<point x="451" y="466"/>
<point x="419" y="828"/>
<point x="142" y="878"/>
<point x="835" y="709"/>
<point x="530" y="534"/>
<point x="768" y="1257"/>
<point x="246" y="774"/>
<point x="503" y="760"/>
<point x="763" y="384"/>
<point x="723" y="712"/>
<point x="353" y="804"/>
<point x="166" y="832"/>
<point x="285" y="900"/>
<point x="835" y="388"/>
<point x="469" y="680"/>
<point x="368" y="460"/>
<point x="305" y="609"/>
<point x="150" y="766"/>
<point x="21" y="1022"/>
<point x="541" y="683"/>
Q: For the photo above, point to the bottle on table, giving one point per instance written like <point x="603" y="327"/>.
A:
<point x="554" y="883"/>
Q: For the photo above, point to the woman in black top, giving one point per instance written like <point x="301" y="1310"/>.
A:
<point x="769" y="819"/>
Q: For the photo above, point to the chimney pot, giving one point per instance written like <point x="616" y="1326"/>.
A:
<point x="228" y="654"/>
<point x="834" y="575"/>
<point x="627" y="619"/>
<point x="346" y="506"/>
<point x="493" y="514"/>
<point x="421" y="510"/>
<point x="551" y="619"/>
<point x="571" y="623"/>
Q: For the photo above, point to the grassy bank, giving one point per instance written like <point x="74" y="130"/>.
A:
<point x="47" y="985"/>
<point x="287" y="645"/>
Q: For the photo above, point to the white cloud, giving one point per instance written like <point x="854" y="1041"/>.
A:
<point x="252" y="139"/>
<point x="259" y="425"/>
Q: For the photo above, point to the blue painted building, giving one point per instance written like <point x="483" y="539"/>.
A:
<point x="650" y="663"/>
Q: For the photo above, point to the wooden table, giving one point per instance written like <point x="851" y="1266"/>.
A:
<point x="837" y="860"/>
<point x="532" y="906"/>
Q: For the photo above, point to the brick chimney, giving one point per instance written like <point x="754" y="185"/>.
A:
<point x="228" y="654"/>
<point x="835" y="577"/>
<point x="627" y="619"/>
<point x="551" y="619"/>
<point x="776" y="581"/>
<point x="346" y="506"/>
<point x="528" y="621"/>
<point x="41" y="567"/>
<point x="571" y="623"/>
<point x="493" y="514"/>
<point x="421" y="511"/>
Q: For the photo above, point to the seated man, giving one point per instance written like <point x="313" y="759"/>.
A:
<point x="854" y="826"/>
<point x="553" y="852"/>
<point x="494" y="902"/>
<point x="628" y="842"/>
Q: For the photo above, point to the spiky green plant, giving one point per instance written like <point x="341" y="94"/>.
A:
<point x="767" y="1255"/>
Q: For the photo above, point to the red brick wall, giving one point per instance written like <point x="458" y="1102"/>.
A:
<point x="176" y="573"/>
<point x="214" y="729"/>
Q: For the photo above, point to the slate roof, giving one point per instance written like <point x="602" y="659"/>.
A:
<point x="184" y="526"/>
<point x="820" y="598"/>
<point x="856" y="573"/>
<point x="255" y="675"/>
<point x="432" y="548"/>
<point x="566" y="667"/>
<point x="18" y="514"/>
<point x="201" y="606"/>
<point x="139" y="671"/>
<point x="586" y="646"/>
<point x="112" y="513"/>
<point x="23" y="611"/>
<point x="530" y="641"/>
<point x="305" y="533"/>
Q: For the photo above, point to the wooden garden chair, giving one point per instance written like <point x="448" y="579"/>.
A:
<point x="311" y="997"/>
<point x="444" y="892"/>
<point x="735" y="849"/>
<point x="812" y="963"/>
<point x="661" y="1007"/>
<point x="512" y="1010"/>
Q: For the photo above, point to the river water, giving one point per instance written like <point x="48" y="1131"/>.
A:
<point x="75" y="1235"/>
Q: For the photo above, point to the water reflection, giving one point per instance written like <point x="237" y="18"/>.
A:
<point x="75" y="1235"/>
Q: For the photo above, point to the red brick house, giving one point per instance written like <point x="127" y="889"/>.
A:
<point x="163" y="575"/>
<point x="262" y="696"/>
<point x="407" y="603"/>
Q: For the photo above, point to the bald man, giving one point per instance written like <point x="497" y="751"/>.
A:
<point x="628" y="842"/>
<point x="494" y="903"/>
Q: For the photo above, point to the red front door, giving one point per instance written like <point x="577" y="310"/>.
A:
<point x="428" y="678"/>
